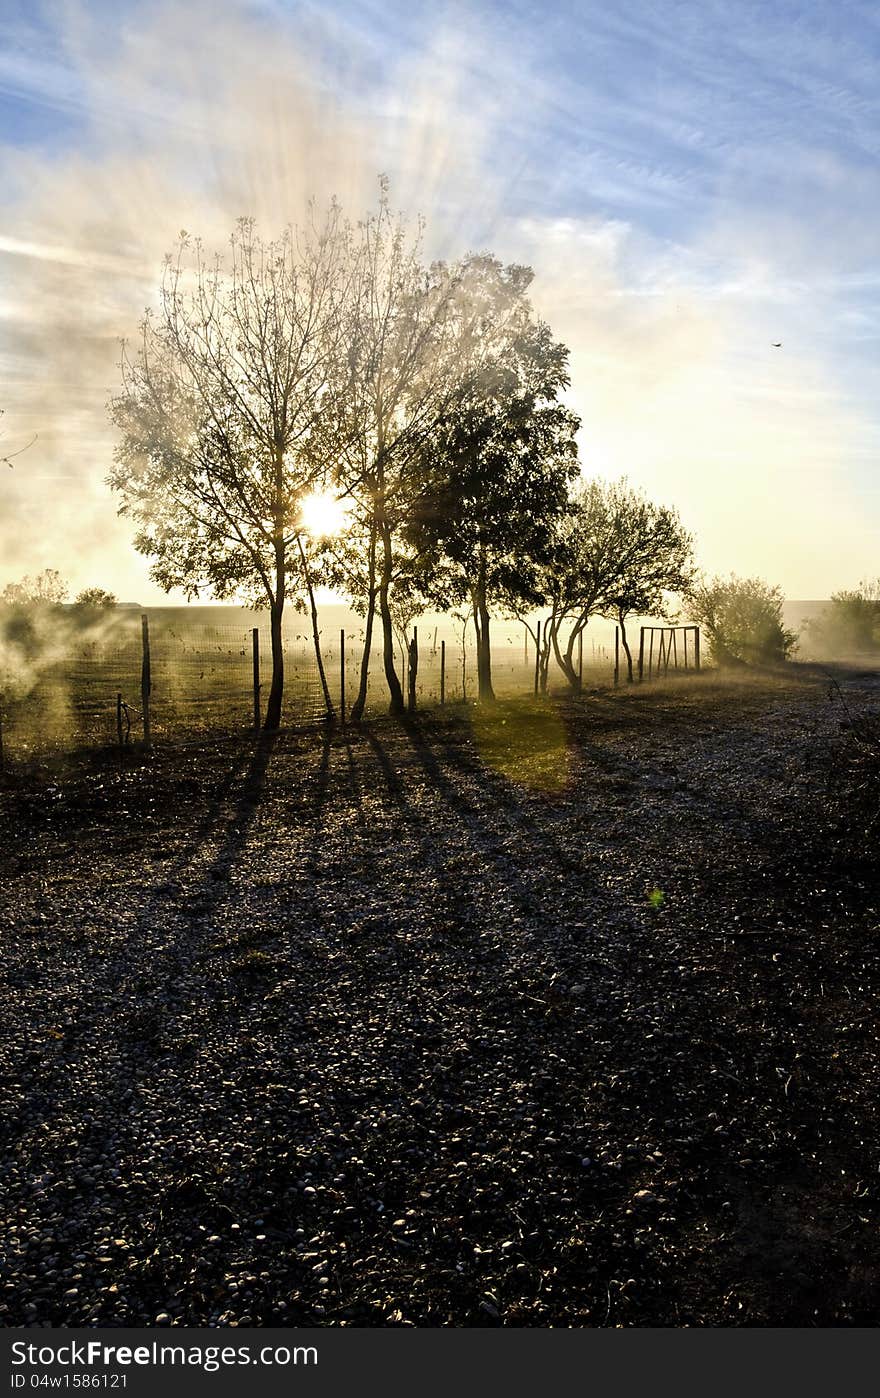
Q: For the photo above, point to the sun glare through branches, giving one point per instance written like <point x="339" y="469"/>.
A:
<point x="323" y="515"/>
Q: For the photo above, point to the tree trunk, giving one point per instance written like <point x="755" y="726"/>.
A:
<point x="544" y="661"/>
<point x="272" y="720"/>
<point x="396" y="706"/>
<point x="357" y="708"/>
<point x="412" y="672"/>
<point x="572" y="671"/>
<point x="481" y="626"/>
<point x="564" y="657"/>
<point x="316" y="633"/>
<point x="626" y="649"/>
<point x="273" y="708"/>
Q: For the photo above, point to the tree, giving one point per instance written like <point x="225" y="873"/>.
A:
<point x="92" y="597"/>
<point x="587" y="566"/>
<point x="656" y="563"/>
<point x="499" y="467"/>
<point x="47" y="589"/>
<point x="742" y="618"/>
<point x="406" y="608"/>
<point x="851" y="623"/>
<point x="217" y="415"/>
<point x="415" y="340"/>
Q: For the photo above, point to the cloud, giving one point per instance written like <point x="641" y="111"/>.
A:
<point x="674" y="236"/>
<point x="680" y="387"/>
<point x="180" y="137"/>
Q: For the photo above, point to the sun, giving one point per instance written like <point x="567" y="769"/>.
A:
<point x="322" y="514"/>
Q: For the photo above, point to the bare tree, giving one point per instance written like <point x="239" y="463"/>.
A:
<point x="218" y="415"/>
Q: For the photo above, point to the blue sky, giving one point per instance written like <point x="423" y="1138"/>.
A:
<point x="692" y="181"/>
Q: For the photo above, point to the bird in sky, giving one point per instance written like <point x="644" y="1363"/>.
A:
<point x="777" y="344"/>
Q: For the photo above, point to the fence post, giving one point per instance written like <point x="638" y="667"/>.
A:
<point x="442" y="673"/>
<point x="255" y="648"/>
<point x="342" y="677"/>
<point x="119" y="719"/>
<point x="641" y="653"/>
<point x="146" y="678"/>
<point x="616" y="656"/>
<point x="696" y="647"/>
<point x="537" y="657"/>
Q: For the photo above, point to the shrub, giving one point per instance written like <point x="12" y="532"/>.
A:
<point x="95" y="597"/>
<point x="742" y="619"/>
<point x="851" y="624"/>
<point x="47" y="589"/>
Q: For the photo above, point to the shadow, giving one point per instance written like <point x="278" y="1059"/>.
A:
<point x="468" y="1028"/>
<point x="354" y="781"/>
<point x="154" y="995"/>
<point x="319" y="799"/>
<point x="391" y="776"/>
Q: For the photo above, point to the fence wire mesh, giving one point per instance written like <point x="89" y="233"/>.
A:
<point x="67" y="680"/>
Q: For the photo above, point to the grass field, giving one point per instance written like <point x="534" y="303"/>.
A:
<point x="202" y="673"/>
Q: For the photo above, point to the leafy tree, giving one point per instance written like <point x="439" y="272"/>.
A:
<point x="48" y="588"/>
<point x="656" y="562"/>
<point x="851" y="624"/>
<point x="742" y="618"/>
<point x="95" y="597"/>
<point x="499" y="468"/>
<point x="586" y="568"/>
<point x="217" y="414"/>
<point x="616" y="554"/>
<point x="415" y="340"/>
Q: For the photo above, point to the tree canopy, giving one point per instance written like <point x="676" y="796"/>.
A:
<point x="497" y="472"/>
<point x="742" y="618"/>
<point x="336" y="364"/>
<point x="218" y="408"/>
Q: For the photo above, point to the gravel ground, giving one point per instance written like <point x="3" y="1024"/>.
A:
<point x="563" y="1017"/>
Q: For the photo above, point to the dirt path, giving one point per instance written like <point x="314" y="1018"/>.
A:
<point x="363" y="1030"/>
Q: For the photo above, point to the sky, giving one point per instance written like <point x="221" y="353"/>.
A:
<point x="694" y="184"/>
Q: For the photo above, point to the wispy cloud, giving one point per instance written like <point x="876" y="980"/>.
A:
<point x="692" y="181"/>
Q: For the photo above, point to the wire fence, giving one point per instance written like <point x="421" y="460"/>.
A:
<point x="447" y="665"/>
<point x="69" y="682"/>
